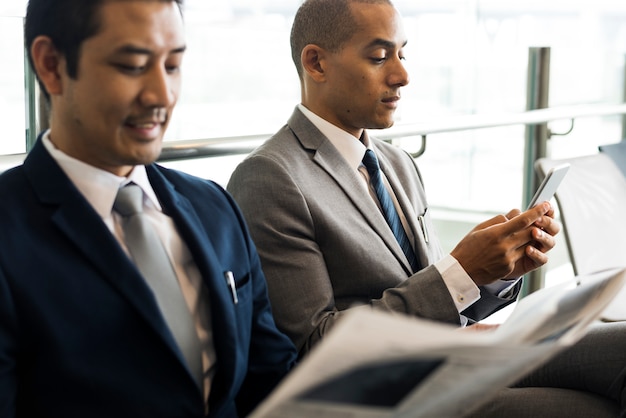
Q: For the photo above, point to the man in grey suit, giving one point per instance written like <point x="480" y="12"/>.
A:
<point x="319" y="225"/>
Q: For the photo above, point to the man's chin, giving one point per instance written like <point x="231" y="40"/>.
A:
<point x="145" y="157"/>
<point x="382" y="125"/>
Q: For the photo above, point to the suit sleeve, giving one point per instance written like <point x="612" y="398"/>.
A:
<point x="280" y="221"/>
<point x="8" y="350"/>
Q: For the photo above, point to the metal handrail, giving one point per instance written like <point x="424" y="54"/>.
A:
<point x="180" y="150"/>
<point x="531" y="117"/>
<point x="236" y="145"/>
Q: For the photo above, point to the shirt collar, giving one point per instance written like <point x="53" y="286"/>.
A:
<point x="349" y="147"/>
<point x="98" y="186"/>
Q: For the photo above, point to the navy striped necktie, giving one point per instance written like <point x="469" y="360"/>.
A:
<point x="389" y="211"/>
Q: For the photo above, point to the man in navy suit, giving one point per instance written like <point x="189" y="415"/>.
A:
<point x="81" y="331"/>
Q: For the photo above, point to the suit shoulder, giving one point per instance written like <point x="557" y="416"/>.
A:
<point x="11" y="181"/>
<point x="281" y="151"/>
<point x="10" y="175"/>
<point x="182" y="179"/>
<point x="276" y="146"/>
<point x="206" y="196"/>
<point x="194" y="188"/>
<point x="390" y="150"/>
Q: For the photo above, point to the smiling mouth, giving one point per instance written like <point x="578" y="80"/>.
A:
<point x="146" y="129"/>
<point x="148" y="121"/>
<point x="144" y="125"/>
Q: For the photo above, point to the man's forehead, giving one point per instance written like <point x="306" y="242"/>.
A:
<point x="378" y="21"/>
<point x="124" y="22"/>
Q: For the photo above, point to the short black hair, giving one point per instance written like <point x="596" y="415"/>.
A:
<point x="68" y="23"/>
<point x="328" y="24"/>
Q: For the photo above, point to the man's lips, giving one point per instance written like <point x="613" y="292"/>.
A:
<point x="146" y="128"/>
<point x="391" y="102"/>
<point x="392" y="99"/>
<point x="147" y="120"/>
<point x="143" y="124"/>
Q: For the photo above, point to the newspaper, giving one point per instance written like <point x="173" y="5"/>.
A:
<point x="377" y="364"/>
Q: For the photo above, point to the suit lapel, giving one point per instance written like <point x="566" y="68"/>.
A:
<point x="327" y="157"/>
<point x="78" y="221"/>
<point x="212" y="271"/>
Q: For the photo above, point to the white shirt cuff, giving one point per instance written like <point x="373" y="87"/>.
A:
<point x="462" y="288"/>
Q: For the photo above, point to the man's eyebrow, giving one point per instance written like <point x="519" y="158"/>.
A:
<point x="379" y="42"/>
<point x="136" y="50"/>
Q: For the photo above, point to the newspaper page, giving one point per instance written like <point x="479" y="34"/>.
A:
<point x="377" y="364"/>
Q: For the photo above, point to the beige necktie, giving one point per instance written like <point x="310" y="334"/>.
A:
<point x="151" y="259"/>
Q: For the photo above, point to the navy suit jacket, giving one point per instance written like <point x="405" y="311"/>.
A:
<point x="80" y="331"/>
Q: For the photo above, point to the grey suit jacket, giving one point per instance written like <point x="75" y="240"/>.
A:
<point x="325" y="246"/>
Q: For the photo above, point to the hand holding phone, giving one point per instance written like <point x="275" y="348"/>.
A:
<point x="548" y="186"/>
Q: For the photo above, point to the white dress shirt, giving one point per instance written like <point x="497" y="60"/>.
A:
<point x="100" y="188"/>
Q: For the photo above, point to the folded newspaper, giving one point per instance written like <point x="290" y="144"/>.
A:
<point x="376" y="364"/>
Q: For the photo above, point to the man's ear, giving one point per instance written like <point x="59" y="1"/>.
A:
<point x="49" y="64"/>
<point x="313" y="62"/>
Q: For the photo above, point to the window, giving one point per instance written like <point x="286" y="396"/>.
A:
<point x="464" y="57"/>
<point x="12" y="84"/>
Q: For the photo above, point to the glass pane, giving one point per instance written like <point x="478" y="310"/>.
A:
<point x="470" y="57"/>
<point x="238" y="77"/>
<point x="12" y="87"/>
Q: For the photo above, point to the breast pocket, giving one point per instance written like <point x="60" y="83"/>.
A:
<point x="240" y="288"/>
<point x="425" y="224"/>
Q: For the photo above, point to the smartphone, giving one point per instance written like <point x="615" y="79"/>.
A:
<point x="548" y="186"/>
